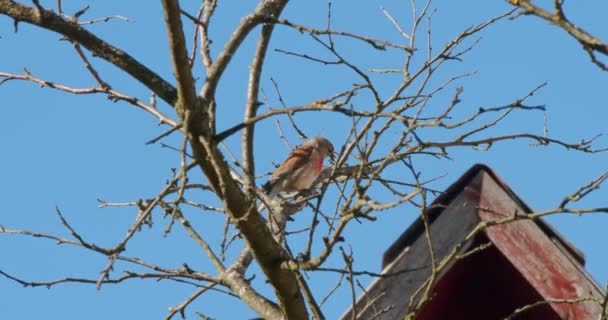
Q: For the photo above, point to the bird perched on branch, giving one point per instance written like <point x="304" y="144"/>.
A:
<point x="301" y="168"/>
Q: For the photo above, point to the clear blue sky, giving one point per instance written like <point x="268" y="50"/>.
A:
<point x="67" y="151"/>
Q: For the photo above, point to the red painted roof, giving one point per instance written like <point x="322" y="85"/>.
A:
<point x="525" y="261"/>
<point x="417" y="227"/>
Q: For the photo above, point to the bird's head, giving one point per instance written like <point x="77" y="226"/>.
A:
<point x="325" y="148"/>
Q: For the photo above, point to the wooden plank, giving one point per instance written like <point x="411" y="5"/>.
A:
<point x="540" y="261"/>
<point x="388" y="297"/>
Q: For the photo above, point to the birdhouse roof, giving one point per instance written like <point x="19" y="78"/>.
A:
<point x="489" y="259"/>
<point x="416" y="229"/>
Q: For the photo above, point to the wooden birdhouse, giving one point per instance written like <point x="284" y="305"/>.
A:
<point x="520" y="268"/>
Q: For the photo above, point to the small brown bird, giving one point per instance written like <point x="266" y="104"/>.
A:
<point x="301" y="168"/>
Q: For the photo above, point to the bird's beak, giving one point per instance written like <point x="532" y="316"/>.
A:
<point x="332" y="157"/>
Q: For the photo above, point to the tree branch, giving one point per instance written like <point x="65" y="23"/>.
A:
<point x="267" y="9"/>
<point x="47" y="19"/>
<point x="252" y="106"/>
<point x="242" y="209"/>
<point x="590" y="43"/>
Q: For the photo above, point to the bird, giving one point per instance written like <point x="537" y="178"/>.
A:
<point x="301" y="168"/>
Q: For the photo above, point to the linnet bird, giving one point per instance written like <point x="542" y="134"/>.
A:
<point x="301" y="168"/>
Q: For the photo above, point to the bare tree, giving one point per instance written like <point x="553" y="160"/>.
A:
<point x="390" y="129"/>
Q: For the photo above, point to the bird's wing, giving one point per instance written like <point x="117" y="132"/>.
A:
<point x="296" y="160"/>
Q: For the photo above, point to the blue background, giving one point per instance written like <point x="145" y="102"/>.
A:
<point x="67" y="150"/>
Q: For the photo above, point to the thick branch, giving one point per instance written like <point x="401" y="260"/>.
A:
<point x="269" y="9"/>
<point x="590" y="43"/>
<point x="186" y="96"/>
<point x="47" y="19"/>
<point x="242" y="209"/>
<point x="252" y="105"/>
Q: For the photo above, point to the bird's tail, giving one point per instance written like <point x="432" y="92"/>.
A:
<point x="270" y="189"/>
<point x="267" y="187"/>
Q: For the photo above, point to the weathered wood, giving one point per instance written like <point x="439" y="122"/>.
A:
<point x="548" y="269"/>
<point x="528" y="262"/>
<point x="388" y="297"/>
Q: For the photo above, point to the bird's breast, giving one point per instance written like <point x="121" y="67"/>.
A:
<point x="317" y="165"/>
